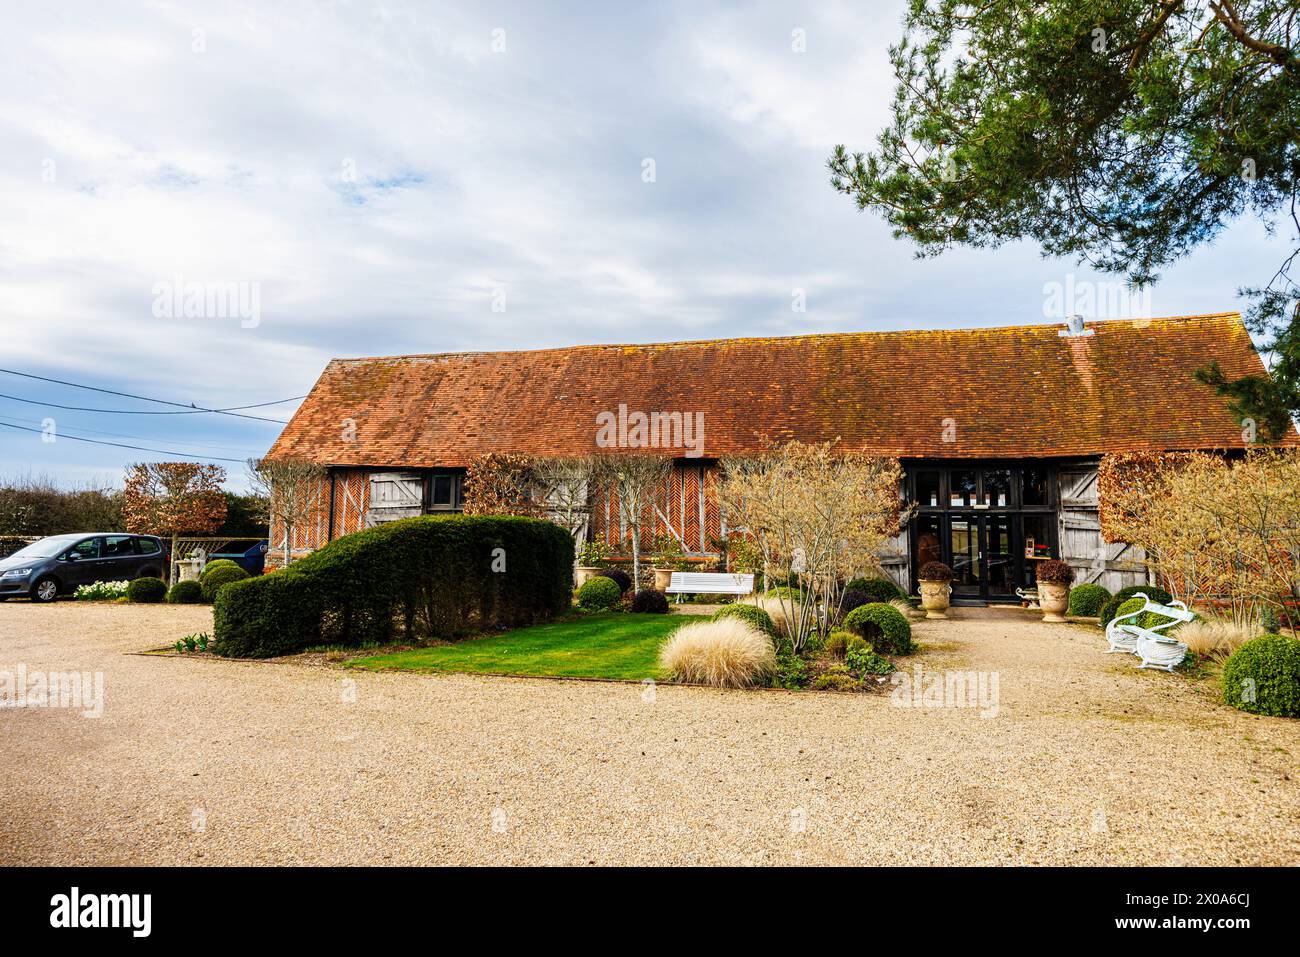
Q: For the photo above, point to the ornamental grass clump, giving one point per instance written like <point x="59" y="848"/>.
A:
<point x="724" y="653"/>
<point x="1215" y="637"/>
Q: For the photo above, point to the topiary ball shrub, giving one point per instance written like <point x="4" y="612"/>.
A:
<point x="650" y="602"/>
<point x="619" y="577"/>
<point x="599" y="593"/>
<point x="1263" y="677"/>
<point x="934" y="572"/>
<point x="751" y="613"/>
<point x="215" y="564"/>
<point x="212" y="581"/>
<point x="854" y="598"/>
<point x="1157" y="595"/>
<point x="185" y="593"/>
<point x="1086" y="600"/>
<point x="883" y="627"/>
<point x="875" y="589"/>
<point x="146" y="591"/>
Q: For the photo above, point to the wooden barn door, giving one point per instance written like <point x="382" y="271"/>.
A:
<point x="1112" y="565"/>
<point x="394" y="495"/>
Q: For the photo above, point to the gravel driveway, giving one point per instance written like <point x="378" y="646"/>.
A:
<point x="1088" y="761"/>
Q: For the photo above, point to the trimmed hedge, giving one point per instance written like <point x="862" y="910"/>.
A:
<point x="212" y="581"/>
<point x="1086" y="600"/>
<point x="883" y="626"/>
<point x="444" y="576"/>
<point x="1266" y="669"/>
<point x="752" y="614"/>
<point x="650" y="602"/>
<point x="146" y="590"/>
<point x="186" y="593"/>
<point x="219" y="563"/>
<point x="878" y="590"/>
<point x="1157" y="595"/>
<point x="599" y="593"/>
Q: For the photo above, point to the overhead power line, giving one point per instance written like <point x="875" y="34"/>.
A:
<point x="195" y="411"/>
<point x="232" y="411"/>
<point x="119" y="445"/>
<point x="126" y="435"/>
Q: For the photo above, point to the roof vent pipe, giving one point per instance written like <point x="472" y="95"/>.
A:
<point x="1074" y="328"/>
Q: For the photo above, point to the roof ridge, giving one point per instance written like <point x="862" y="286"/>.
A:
<point x="966" y="330"/>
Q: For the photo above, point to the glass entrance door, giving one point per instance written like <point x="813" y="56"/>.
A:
<point x="983" y="556"/>
<point x="967" y="567"/>
<point x="999" y="557"/>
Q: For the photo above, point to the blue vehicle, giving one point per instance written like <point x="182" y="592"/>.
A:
<point x="248" y="553"/>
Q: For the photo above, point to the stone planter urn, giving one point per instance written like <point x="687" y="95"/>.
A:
<point x="586" y="573"/>
<point x="1054" y="578"/>
<point x="1054" y="599"/>
<point x="188" y="569"/>
<point x="663" y="578"/>
<point x="934" y="598"/>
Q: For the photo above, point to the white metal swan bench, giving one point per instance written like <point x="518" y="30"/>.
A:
<point x="1156" y="650"/>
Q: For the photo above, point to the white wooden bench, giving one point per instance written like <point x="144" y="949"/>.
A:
<point x="1155" y="650"/>
<point x="709" y="583"/>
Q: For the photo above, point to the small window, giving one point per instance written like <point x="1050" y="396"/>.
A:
<point x="1033" y="488"/>
<point x="997" y="488"/>
<point x="963" y="488"/>
<point x="147" y="546"/>
<point x="444" y="492"/>
<point x="929" y="489"/>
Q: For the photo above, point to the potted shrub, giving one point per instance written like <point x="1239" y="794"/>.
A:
<point x="936" y="588"/>
<point x="668" y="558"/>
<point x="1054" y="578"/>
<point x="591" y="561"/>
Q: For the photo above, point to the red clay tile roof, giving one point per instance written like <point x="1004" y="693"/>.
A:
<point x="1015" y="391"/>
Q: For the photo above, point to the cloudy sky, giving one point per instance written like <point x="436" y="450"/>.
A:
<point x="392" y="178"/>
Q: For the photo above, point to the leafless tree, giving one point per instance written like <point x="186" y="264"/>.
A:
<point x="633" y="480"/>
<point x="292" y="489"/>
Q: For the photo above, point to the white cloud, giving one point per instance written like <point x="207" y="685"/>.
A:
<point x="473" y="170"/>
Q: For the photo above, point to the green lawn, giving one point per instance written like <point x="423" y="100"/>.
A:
<point x="608" y="645"/>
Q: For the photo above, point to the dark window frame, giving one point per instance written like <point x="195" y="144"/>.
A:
<point x="945" y="512"/>
<point x="457" y="503"/>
